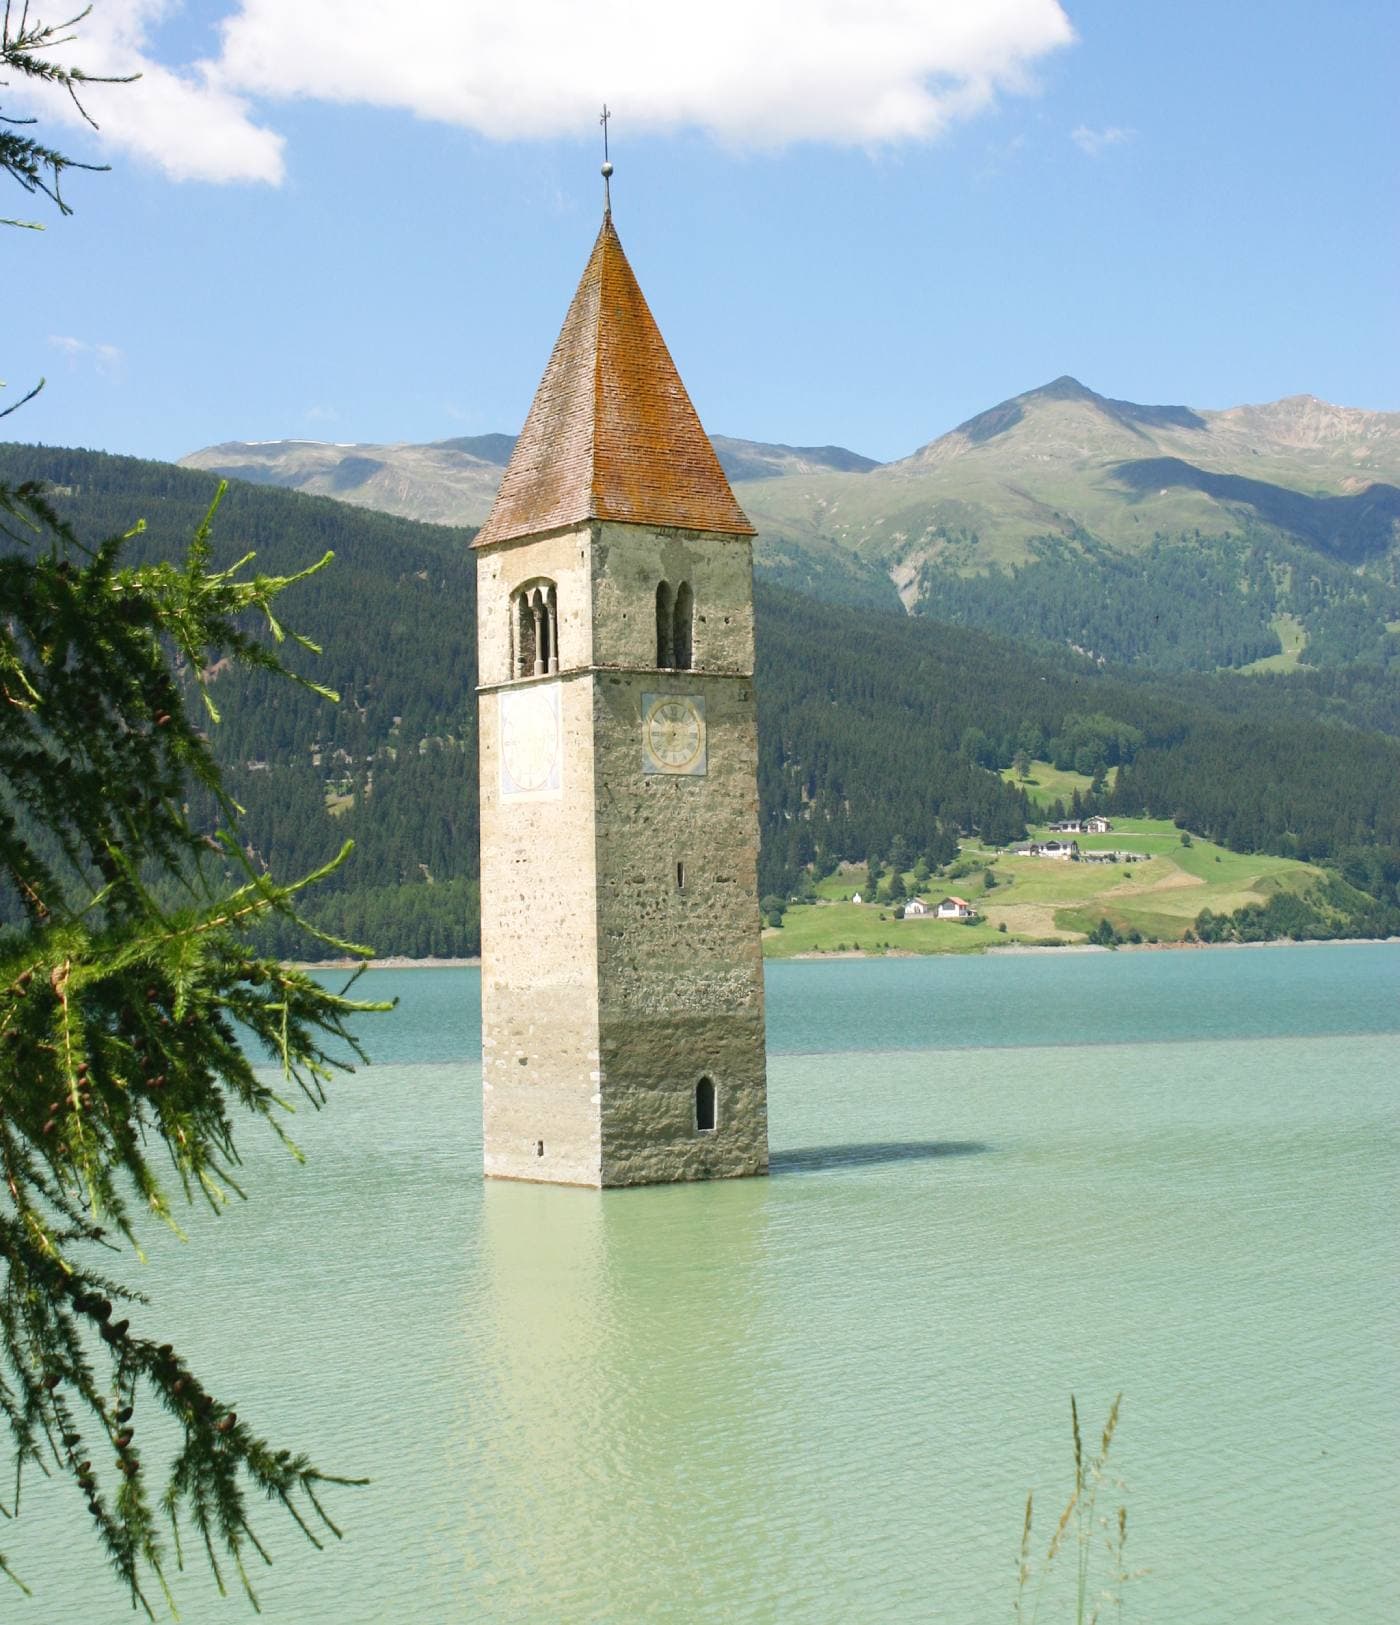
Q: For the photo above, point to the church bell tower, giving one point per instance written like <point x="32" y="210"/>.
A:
<point x="621" y="973"/>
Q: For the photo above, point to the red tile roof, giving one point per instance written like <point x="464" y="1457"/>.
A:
<point x="612" y="433"/>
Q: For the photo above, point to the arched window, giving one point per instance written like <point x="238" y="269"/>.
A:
<point x="663" y="624"/>
<point x="705" y="1106"/>
<point x="534" y="625"/>
<point x="681" y="627"/>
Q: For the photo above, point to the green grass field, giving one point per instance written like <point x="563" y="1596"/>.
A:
<point x="843" y="885"/>
<point x="1041" y="899"/>
<point x="1294" y="640"/>
<point x="1048" y="784"/>
<point x="848" y="927"/>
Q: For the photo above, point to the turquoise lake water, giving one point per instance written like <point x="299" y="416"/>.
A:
<point x="823" y="1396"/>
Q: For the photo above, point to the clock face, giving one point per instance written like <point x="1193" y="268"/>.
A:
<point x="530" y="745"/>
<point x="673" y="734"/>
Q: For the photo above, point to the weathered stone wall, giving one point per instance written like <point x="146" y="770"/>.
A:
<point x="608" y="989"/>
<point x="680" y="970"/>
<point x="629" y="561"/>
<point x="539" y="977"/>
<point x="564" y="559"/>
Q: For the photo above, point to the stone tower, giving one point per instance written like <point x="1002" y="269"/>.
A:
<point x="621" y="977"/>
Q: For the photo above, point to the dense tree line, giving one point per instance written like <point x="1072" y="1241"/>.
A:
<point x="1366" y="697"/>
<point x="392" y="766"/>
<point x="1192" y="603"/>
<point x="1300" y="790"/>
<point x="880" y="735"/>
<point x="1327" y="912"/>
<point x="391" y="614"/>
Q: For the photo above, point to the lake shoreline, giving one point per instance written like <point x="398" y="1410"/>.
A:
<point x="1031" y="948"/>
<point x="402" y="962"/>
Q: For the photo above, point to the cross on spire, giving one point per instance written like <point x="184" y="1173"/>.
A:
<point x="607" y="165"/>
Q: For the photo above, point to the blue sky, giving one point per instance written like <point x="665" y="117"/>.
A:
<point x="855" y="223"/>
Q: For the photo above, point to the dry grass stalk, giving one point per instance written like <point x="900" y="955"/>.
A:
<point x="1023" y="1568"/>
<point x="1090" y="1472"/>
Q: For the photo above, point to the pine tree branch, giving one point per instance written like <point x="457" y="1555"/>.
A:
<point x="129" y="1024"/>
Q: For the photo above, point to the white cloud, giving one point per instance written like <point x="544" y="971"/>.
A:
<point x="321" y="414"/>
<point x="749" y="73"/>
<point x="105" y="358"/>
<point x="183" y="119"/>
<point x="1093" y="142"/>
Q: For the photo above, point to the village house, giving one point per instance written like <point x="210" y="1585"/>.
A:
<point x="955" y="908"/>
<point x="1048" y="849"/>
<point x="1097" y="825"/>
<point x="914" y="907"/>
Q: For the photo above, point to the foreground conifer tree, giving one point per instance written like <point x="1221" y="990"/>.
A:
<point x="132" y="1011"/>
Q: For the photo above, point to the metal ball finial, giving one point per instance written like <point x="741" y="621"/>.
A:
<point x="607" y="164"/>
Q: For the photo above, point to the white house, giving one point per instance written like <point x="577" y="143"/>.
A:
<point x="914" y="907"/>
<point x="856" y="898"/>
<point x="1047" y="849"/>
<point x="1097" y="825"/>
<point x="955" y="908"/>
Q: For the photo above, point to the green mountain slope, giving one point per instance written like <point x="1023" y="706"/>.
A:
<point x="1166" y="536"/>
<point x="1158" y="535"/>
<point x="876" y="732"/>
<point x="1061" y="459"/>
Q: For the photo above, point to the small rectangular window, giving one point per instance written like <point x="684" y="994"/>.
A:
<point x="705" y="1106"/>
<point x="680" y="875"/>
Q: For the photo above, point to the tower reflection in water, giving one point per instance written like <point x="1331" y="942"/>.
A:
<point x="615" y="1452"/>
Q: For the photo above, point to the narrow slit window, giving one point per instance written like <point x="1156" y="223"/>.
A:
<point x="682" y="628"/>
<point x="525" y="639"/>
<point x="705" y="1106"/>
<point x="540" y="615"/>
<point x="680" y="875"/>
<point x="664" y="644"/>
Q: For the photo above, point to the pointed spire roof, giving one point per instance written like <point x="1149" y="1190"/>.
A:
<point x="612" y="433"/>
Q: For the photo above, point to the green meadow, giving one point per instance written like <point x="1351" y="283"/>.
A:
<point x="1048" y="783"/>
<point x="1294" y="640"/>
<point x="834" y="928"/>
<point x="1045" y="900"/>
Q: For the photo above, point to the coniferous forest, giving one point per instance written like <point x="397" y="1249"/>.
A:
<point x="878" y="733"/>
<point x="1186" y="603"/>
